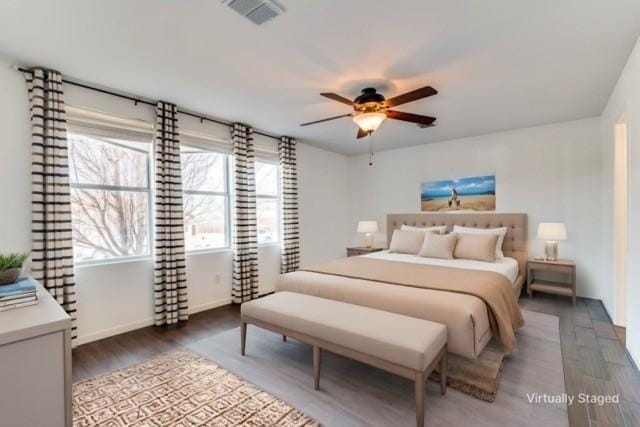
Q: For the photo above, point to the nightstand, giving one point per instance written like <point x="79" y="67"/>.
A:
<point x="564" y="267"/>
<point x="362" y="250"/>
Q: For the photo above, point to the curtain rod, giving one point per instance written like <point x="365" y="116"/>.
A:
<point x="140" y="100"/>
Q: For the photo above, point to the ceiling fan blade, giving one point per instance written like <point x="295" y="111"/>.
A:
<point x="326" y="120"/>
<point x="336" y="97"/>
<point x="414" y="95"/>
<point x="409" y="117"/>
<point x="362" y="133"/>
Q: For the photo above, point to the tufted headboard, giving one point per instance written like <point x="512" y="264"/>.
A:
<point x="515" y="242"/>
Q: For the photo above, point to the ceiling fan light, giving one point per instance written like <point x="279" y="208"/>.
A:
<point x="369" y="122"/>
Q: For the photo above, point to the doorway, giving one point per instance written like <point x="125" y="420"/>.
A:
<point x="621" y="220"/>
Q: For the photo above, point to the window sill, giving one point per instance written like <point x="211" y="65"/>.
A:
<point x="104" y="262"/>
<point x="262" y="245"/>
<point x="208" y="251"/>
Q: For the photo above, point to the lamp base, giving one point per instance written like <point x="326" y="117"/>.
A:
<point x="551" y="250"/>
<point x="368" y="240"/>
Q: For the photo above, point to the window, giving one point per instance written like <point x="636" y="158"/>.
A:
<point x="110" y="196"/>
<point x="205" y="198"/>
<point x="267" y="201"/>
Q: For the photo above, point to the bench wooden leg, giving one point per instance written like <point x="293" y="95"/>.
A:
<point x="443" y="372"/>
<point x="243" y="337"/>
<point x="419" y="394"/>
<point x="316" y="367"/>
<point x="284" y="338"/>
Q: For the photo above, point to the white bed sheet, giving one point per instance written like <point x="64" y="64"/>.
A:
<point x="506" y="266"/>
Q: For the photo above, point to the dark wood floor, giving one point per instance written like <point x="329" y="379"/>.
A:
<point x="594" y="358"/>
<point x="595" y="361"/>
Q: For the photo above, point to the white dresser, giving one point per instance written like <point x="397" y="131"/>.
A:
<point x="35" y="365"/>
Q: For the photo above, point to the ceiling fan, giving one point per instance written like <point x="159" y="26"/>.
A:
<point x="371" y="109"/>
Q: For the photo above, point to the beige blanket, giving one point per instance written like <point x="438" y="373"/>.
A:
<point x="492" y="288"/>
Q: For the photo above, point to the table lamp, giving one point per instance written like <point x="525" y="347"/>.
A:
<point x="551" y="233"/>
<point x="368" y="228"/>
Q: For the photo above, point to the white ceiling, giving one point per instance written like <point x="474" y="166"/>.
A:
<point x="498" y="64"/>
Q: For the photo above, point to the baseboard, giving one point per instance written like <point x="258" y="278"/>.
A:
<point x="210" y="305"/>
<point x="121" y="329"/>
<point x="116" y="330"/>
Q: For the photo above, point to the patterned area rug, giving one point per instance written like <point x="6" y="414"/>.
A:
<point x="178" y="389"/>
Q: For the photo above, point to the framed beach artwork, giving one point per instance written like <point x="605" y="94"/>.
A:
<point x="477" y="193"/>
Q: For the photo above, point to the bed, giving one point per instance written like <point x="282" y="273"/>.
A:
<point x="466" y="316"/>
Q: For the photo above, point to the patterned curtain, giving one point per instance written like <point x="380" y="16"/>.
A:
<point x="171" y="305"/>
<point x="289" y="182"/>
<point x="245" y="242"/>
<point x="52" y="247"/>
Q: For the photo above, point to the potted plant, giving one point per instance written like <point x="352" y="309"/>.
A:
<point x="11" y="267"/>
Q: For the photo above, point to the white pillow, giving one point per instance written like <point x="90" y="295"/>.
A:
<point x="440" y="229"/>
<point x="501" y="232"/>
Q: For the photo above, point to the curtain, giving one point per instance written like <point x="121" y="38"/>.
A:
<point x="52" y="246"/>
<point x="289" y="183"/>
<point x="245" y="242"/>
<point x="170" y="278"/>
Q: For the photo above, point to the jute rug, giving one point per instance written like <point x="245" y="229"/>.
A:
<point x="178" y="389"/>
<point x="479" y="377"/>
<point x="354" y="394"/>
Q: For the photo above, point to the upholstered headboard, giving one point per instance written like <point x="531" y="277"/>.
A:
<point x="515" y="242"/>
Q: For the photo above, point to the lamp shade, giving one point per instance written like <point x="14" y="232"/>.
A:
<point x="552" y="231"/>
<point x="369" y="122"/>
<point x="367" y="227"/>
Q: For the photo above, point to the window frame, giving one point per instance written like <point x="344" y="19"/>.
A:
<point x="277" y="197"/>
<point x="84" y="130"/>
<point x="226" y="194"/>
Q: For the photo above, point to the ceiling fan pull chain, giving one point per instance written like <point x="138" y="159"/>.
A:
<point x="371" y="149"/>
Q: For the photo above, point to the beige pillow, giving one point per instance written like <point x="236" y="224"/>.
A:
<point x="501" y="232"/>
<point x="439" y="229"/>
<point x="438" y="245"/>
<point x="406" y="241"/>
<point x="479" y="247"/>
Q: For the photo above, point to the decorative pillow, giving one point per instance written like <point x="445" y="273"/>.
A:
<point x="500" y="232"/>
<point x="479" y="247"/>
<point x="406" y="241"/>
<point x="439" y="229"/>
<point x="438" y="245"/>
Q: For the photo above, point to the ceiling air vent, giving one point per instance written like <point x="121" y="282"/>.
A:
<point x="256" y="11"/>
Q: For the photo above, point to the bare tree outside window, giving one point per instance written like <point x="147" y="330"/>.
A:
<point x="111" y="191"/>
<point x="109" y="197"/>
<point x="205" y="198"/>
<point x="267" y="202"/>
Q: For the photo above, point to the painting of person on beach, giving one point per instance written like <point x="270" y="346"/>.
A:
<point x="476" y="193"/>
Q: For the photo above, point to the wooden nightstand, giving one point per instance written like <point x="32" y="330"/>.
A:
<point x="561" y="266"/>
<point x="362" y="250"/>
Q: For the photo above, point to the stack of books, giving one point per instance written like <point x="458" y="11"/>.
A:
<point x="19" y="294"/>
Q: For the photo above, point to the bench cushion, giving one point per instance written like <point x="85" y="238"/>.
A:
<point x="403" y="340"/>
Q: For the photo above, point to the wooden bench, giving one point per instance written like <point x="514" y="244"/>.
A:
<point x="402" y="345"/>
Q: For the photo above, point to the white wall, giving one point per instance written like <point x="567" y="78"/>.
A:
<point x="15" y="163"/>
<point x="324" y="200"/>
<point x="551" y="173"/>
<point x="116" y="297"/>
<point x="624" y="99"/>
